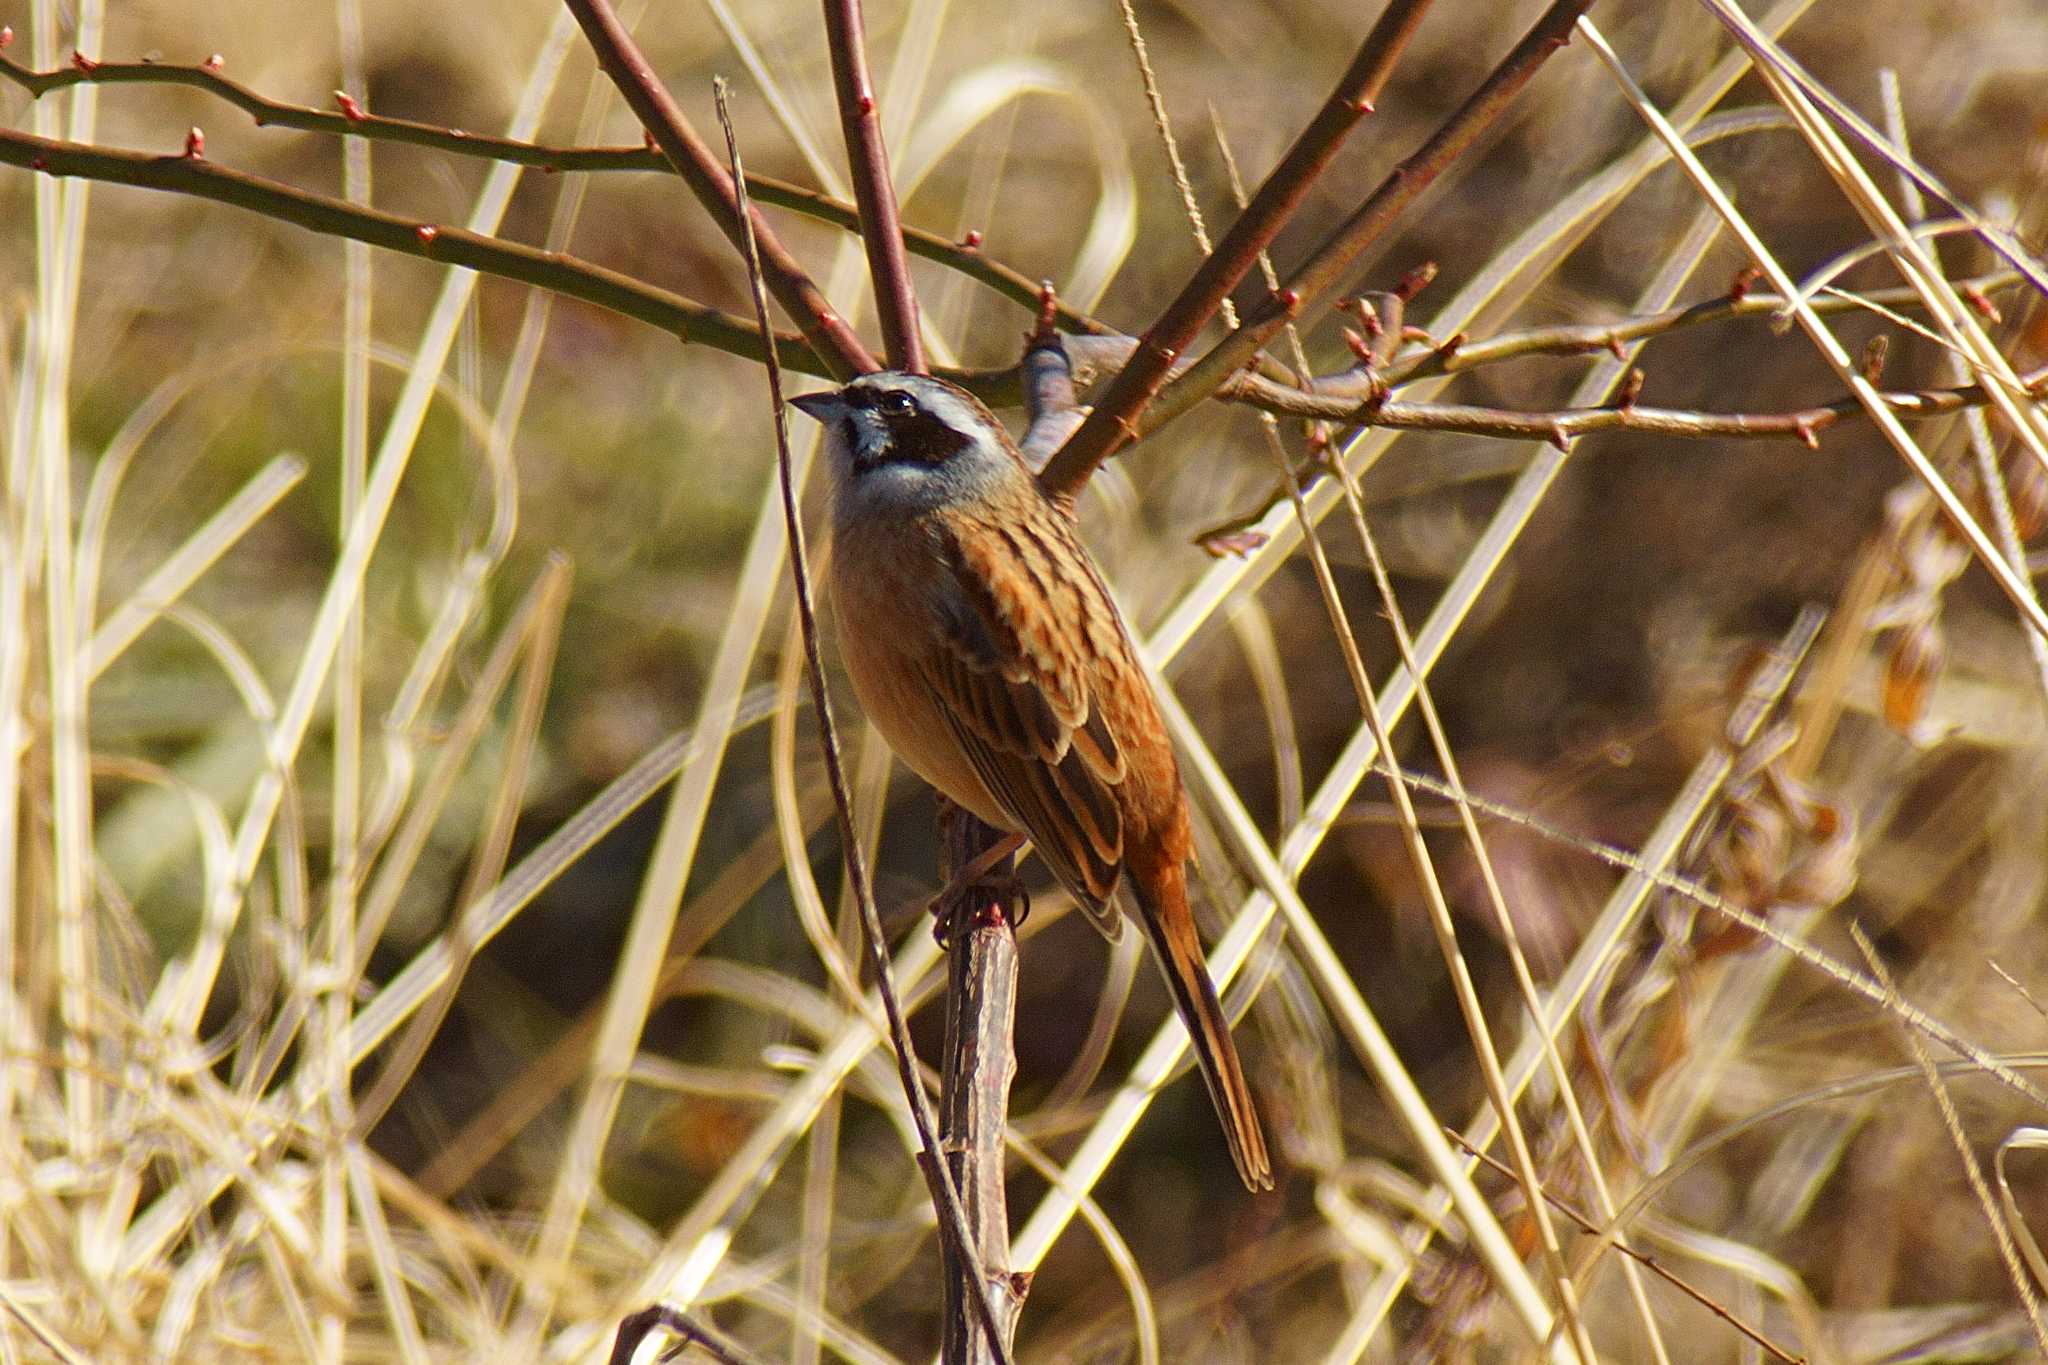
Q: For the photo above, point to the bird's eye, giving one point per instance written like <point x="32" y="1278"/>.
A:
<point x="897" y="403"/>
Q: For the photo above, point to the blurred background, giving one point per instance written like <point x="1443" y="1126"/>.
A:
<point x="1594" y="673"/>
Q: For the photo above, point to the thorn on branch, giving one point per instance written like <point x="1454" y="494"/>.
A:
<point x="1807" y="433"/>
<point x="1363" y="106"/>
<point x="1981" y="301"/>
<point x="195" y="145"/>
<point x="1631" y="389"/>
<point x="1289" y="301"/>
<point x="1745" y="280"/>
<point x="213" y="63"/>
<point x="350" y="110"/>
<point x="1048" y="313"/>
<point x="84" y="63"/>
<point x="1220" y="544"/>
<point x="1415" y="281"/>
<point x="1367" y="315"/>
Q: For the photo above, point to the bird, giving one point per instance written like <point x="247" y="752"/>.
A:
<point x="983" y="644"/>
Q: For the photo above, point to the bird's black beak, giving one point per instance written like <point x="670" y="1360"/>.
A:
<point x="822" y="407"/>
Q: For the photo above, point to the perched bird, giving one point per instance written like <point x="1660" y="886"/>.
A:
<point x="983" y="645"/>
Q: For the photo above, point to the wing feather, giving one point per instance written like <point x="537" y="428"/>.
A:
<point x="1013" y="682"/>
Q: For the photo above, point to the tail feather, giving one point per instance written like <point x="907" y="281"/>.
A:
<point x="1162" y="903"/>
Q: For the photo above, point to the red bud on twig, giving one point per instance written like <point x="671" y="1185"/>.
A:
<point x="1415" y="281"/>
<point x="1631" y="389"/>
<point x="972" y="241"/>
<point x="213" y="63"/>
<point x="350" y="110"/>
<point x="84" y="63"/>
<point x="6" y="36"/>
<point x="1981" y="301"/>
<point x="195" y="145"/>
<point x="426" y="232"/>
<point x="1048" y="311"/>
<point x="1745" y="279"/>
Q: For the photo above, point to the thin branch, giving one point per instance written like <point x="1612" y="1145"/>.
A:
<point x="1109" y="427"/>
<point x="979" y="1063"/>
<point x="1344" y="397"/>
<point x="867" y="158"/>
<point x="1460" y="355"/>
<point x="828" y="333"/>
<point x="353" y="120"/>
<point x="938" y="1176"/>
<point x="1339" y="400"/>
<point x="193" y="175"/>
<point x="1317" y="280"/>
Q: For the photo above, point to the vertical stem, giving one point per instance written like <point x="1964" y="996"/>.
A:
<point x="867" y="157"/>
<point x="828" y="333"/>
<point x="974" y="1093"/>
<point x="1113" y="423"/>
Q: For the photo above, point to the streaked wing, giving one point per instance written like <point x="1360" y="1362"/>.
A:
<point x="1014" y="682"/>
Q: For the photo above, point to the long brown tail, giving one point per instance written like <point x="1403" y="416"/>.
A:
<point x="1162" y="899"/>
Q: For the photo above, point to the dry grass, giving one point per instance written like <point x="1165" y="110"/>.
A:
<point x="422" y="938"/>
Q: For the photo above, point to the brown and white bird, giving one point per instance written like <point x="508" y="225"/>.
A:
<point x="983" y="645"/>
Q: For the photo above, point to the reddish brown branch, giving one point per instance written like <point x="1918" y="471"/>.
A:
<point x="867" y="158"/>
<point x="1345" y="397"/>
<point x="1316" y="281"/>
<point x="1109" y="427"/>
<point x="827" y="332"/>
<point x="355" y="121"/>
<point x="938" y="1173"/>
<point x="567" y="275"/>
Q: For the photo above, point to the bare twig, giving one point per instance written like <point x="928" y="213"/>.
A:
<point x="1317" y="280"/>
<point x="974" y="1093"/>
<point x="1109" y="427"/>
<point x="953" y="1224"/>
<point x="1339" y="397"/>
<point x="1345" y="398"/>
<point x="353" y="120"/>
<point x="867" y="158"/>
<point x="828" y="333"/>
<point x="202" y="179"/>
